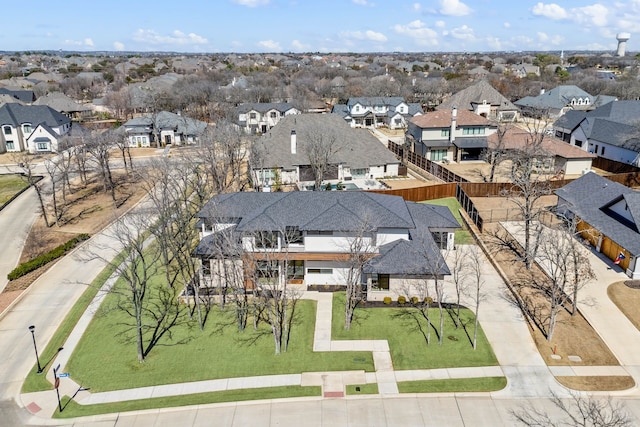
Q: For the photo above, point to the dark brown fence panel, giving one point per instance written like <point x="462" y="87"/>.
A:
<point x="613" y="166"/>
<point x="418" y="194"/>
<point x="630" y="179"/>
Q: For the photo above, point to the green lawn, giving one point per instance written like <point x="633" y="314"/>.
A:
<point x="71" y="409"/>
<point x="455" y="385"/>
<point x="10" y="185"/>
<point x="409" y="349"/>
<point x="104" y="361"/>
<point x="462" y="237"/>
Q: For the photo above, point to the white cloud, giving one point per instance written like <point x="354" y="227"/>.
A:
<point x="419" y="32"/>
<point x="551" y="10"/>
<point x="364" y="35"/>
<point x="86" y="42"/>
<point x="177" y="37"/>
<point x="298" y="46"/>
<point x="363" y="2"/>
<point x="595" y="14"/>
<point x="417" y="7"/>
<point x="119" y="46"/>
<point x="463" y="33"/>
<point x="546" y="39"/>
<point x="252" y="3"/>
<point x="507" y="25"/>
<point x="270" y="45"/>
<point x="454" y="8"/>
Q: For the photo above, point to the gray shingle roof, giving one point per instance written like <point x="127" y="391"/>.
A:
<point x="263" y="107"/>
<point x="166" y="120"/>
<point x="555" y="98"/>
<point x="590" y="196"/>
<point x="477" y="93"/>
<point x="15" y="114"/>
<point x="357" y="148"/>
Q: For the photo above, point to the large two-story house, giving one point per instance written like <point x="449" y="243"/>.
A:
<point x="156" y="130"/>
<point x="377" y="111"/>
<point x="33" y="128"/>
<point x="282" y="155"/>
<point x="259" y="117"/>
<point x="307" y="239"/>
<point x="449" y="135"/>
<point x="611" y="131"/>
<point x="557" y="101"/>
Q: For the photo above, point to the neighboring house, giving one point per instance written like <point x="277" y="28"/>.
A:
<point x="282" y="154"/>
<point x="556" y="156"/>
<point x="449" y="135"/>
<point x="307" y="239"/>
<point x="260" y="117"/>
<point x="19" y="95"/>
<point x="157" y="130"/>
<point x="608" y="215"/>
<point x="611" y="131"/>
<point x="559" y="100"/>
<point x="377" y="111"/>
<point x="19" y="121"/>
<point x="483" y="100"/>
<point x="524" y="70"/>
<point x="67" y="106"/>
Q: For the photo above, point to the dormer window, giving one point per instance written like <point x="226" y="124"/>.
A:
<point x="26" y="128"/>
<point x="7" y="130"/>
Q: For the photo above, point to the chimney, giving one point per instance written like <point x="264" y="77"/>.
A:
<point x="452" y="131"/>
<point x="542" y="91"/>
<point x="294" y="142"/>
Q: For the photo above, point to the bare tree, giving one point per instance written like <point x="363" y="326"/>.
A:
<point x="153" y="310"/>
<point x="460" y="275"/>
<point x="579" y="410"/>
<point x="476" y="289"/>
<point x="496" y="154"/>
<point x="321" y="146"/>
<point x="528" y="187"/>
<point x="270" y="272"/>
<point x="360" y="249"/>
<point x="99" y="145"/>
<point x="26" y="164"/>
<point x="54" y="179"/>
<point x="568" y="269"/>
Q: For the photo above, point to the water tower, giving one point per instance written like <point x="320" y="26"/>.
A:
<point x="622" y="43"/>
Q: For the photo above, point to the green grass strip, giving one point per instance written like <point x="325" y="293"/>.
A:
<point x="72" y="409"/>
<point x="37" y="382"/>
<point x="362" y="389"/>
<point x="10" y="186"/>
<point x="483" y="384"/>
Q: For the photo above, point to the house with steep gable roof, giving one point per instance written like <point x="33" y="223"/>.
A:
<point x="557" y="101"/>
<point x="18" y="122"/>
<point x="259" y="117"/>
<point x="377" y="111"/>
<point x="608" y="216"/>
<point x="611" y="131"/>
<point x="306" y="238"/>
<point x="484" y="100"/>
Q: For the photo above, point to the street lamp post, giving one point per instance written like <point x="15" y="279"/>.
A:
<point x="32" y="328"/>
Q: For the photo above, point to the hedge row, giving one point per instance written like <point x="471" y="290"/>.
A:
<point x="37" y="262"/>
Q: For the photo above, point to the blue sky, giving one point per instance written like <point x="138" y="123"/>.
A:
<point x="209" y="26"/>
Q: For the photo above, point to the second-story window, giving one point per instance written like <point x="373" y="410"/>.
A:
<point x="7" y="130"/>
<point x="444" y="132"/>
<point x="252" y="115"/>
<point x="26" y="128"/>
<point x="294" y="236"/>
<point x="273" y="114"/>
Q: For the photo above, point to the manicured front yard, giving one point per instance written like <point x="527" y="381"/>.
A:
<point x="409" y="349"/>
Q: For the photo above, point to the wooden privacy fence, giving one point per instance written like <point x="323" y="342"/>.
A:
<point x="425" y="164"/>
<point x="418" y="194"/>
